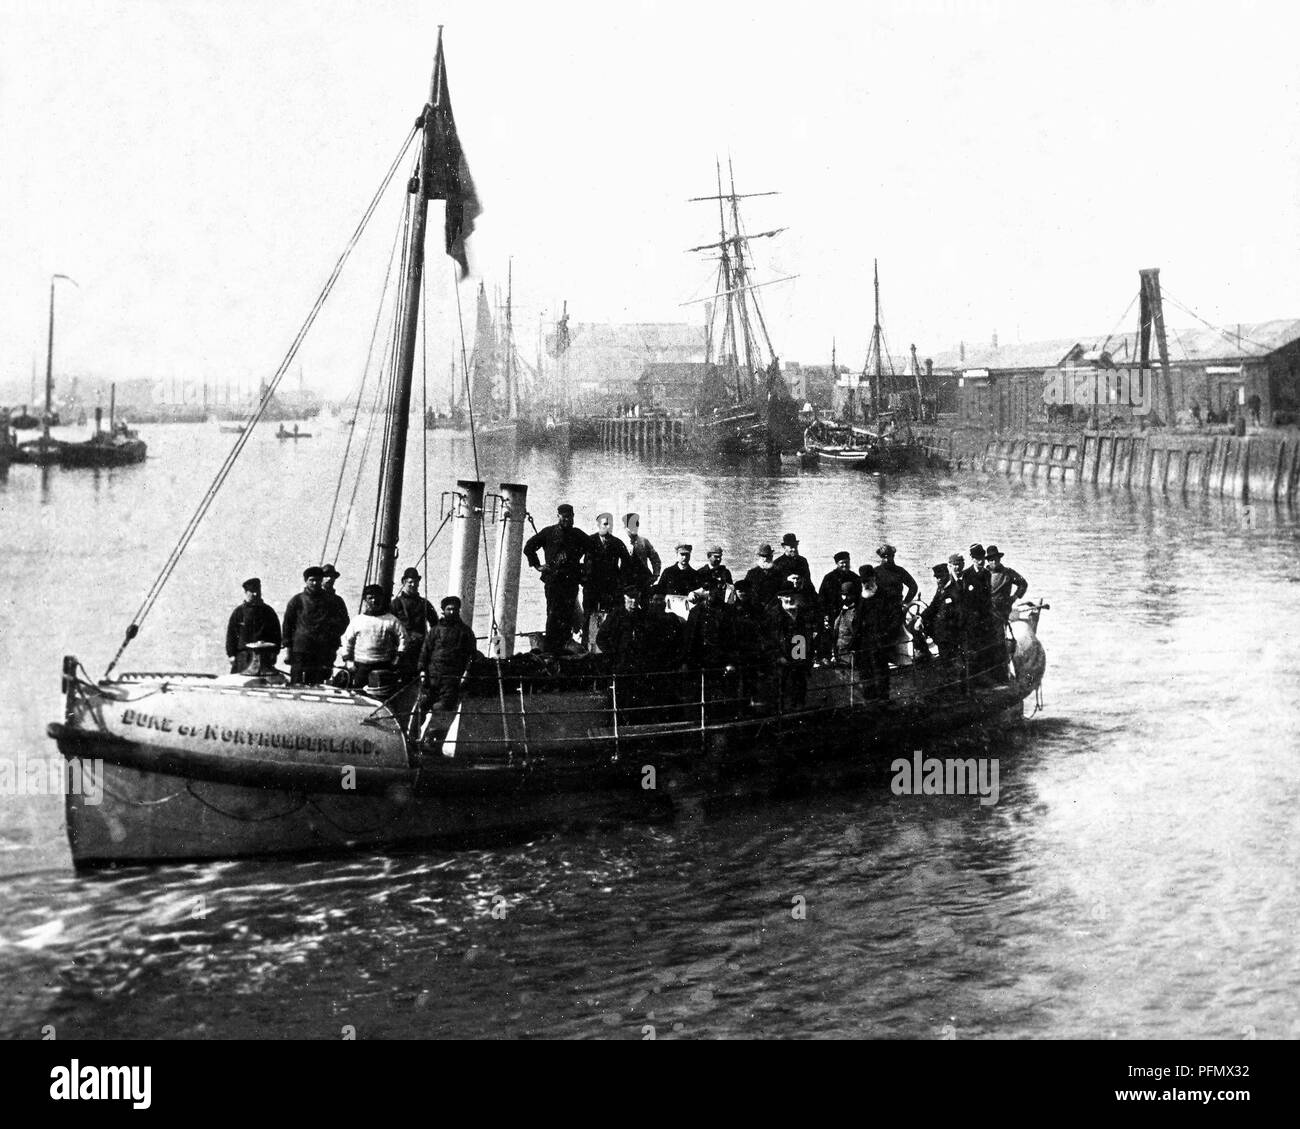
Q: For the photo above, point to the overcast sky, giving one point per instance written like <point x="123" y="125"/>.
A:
<point x="198" y="166"/>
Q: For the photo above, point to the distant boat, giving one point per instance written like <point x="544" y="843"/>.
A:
<point x="20" y="419"/>
<point x="294" y="434"/>
<point x="233" y="428"/>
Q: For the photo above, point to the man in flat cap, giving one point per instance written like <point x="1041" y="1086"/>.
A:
<point x="679" y="579"/>
<point x="715" y="574"/>
<point x="416" y="614"/>
<point x="608" y="571"/>
<point x="252" y="622"/>
<point x="645" y="561"/>
<point x="339" y="606"/>
<point x="566" y="549"/>
<point x="791" y="561"/>
<point x="830" y="596"/>
<point x="765" y="579"/>
<point x="373" y="638"/>
<point x="897" y="589"/>
<point x="446" y="653"/>
<point x="310" y="631"/>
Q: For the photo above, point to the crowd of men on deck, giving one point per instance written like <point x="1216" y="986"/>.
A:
<point x="771" y="622"/>
<point x="767" y="629"/>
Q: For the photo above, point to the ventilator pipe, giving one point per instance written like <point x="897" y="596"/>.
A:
<point x="466" y="529"/>
<point x="509" y="556"/>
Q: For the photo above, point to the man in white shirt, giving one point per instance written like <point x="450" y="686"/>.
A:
<point x="374" y="638"/>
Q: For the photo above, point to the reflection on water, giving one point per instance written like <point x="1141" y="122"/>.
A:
<point x="1136" y="877"/>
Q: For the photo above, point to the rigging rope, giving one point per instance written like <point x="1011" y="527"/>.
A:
<point x="210" y="495"/>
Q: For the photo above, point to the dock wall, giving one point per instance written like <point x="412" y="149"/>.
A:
<point x="1261" y="467"/>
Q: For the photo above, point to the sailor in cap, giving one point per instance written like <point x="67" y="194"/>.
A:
<point x="338" y="609"/>
<point x="566" y="550"/>
<point x="252" y="622"/>
<point x="679" y="579"/>
<point x="830" y="597"/>
<point x="310" y="630"/>
<point x="715" y="574"/>
<point x="898" y="588"/>
<point x="446" y="653"/>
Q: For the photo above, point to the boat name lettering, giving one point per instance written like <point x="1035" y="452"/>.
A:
<point x="147" y="721"/>
<point x="257" y="739"/>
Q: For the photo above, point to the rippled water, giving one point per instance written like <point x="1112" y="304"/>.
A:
<point x="1135" y="879"/>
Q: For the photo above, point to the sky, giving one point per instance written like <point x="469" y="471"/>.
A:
<point x="197" y="168"/>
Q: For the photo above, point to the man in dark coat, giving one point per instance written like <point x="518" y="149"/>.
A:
<point x="792" y="638"/>
<point x="661" y="652"/>
<point x="623" y="640"/>
<point x="644" y="560"/>
<point x="982" y="629"/>
<point x="339" y="608"/>
<point x="608" y="571"/>
<point x="897" y="589"/>
<point x="679" y="579"/>
<point x="1006" y="585"/>
<point x="715" y="574"/>
<point x="310" y="631"/>
<point x="765" y="579"/>
<point x="417" y="615"/>
<point x="925" y="622"/>
<point x="829" y="597"/>
<point x="566" y="549"/>
<point x="446" y="653"/>
<point x="791" y="561"/>
<point x="874" y="643"/>
<point x="944" y="619"/>
<point x="252" y="622"/>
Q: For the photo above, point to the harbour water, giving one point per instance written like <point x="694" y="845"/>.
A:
<point x="1135" y="879"/>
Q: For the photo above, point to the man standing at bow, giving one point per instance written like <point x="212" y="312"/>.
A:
<point x="252" y="622"/>
<point x="645" y="561"/>
<point x="607" y="573"/>
<point x="416" y="614"/>
<point x="310" y="631"/>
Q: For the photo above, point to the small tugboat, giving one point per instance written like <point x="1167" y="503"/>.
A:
<point x="201" y="766"/>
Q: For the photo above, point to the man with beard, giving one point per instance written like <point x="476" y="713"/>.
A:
<point x="565" y="548"/>
<point x="873" y="644"/>
<point x="748" y="631"/>
<point x="310" y="631"/>
<point x="661" y="652"/>
<point x="252" y="622"/>
<point x="622" y="639"/>
<point x="416" y="614"/>
<point x="765" y="579"/>
<point x="445" y="655"/>
<point x="608" y="570"/>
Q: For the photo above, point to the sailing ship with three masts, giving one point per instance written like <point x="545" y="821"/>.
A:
<point x="203" y="766"/>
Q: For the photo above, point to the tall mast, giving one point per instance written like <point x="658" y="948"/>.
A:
<point x="390" y="503"/>
<point x="512" y="397"/>
<point x="49" y="360"/>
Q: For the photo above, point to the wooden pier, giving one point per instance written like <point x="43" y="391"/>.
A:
<point x="645" y="435"/>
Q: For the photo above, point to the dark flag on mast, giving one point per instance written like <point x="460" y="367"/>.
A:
<point x="449" y="177"/>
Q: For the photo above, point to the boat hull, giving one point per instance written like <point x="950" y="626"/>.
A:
<point x="195" y="768"/>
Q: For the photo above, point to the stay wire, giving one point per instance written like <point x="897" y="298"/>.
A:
<point x="210" y="495"/>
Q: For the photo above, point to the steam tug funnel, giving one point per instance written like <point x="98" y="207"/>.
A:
<point x="466" y="529"/>
<point x="509" y="554"/>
